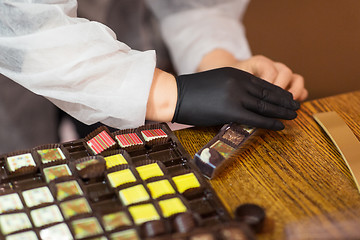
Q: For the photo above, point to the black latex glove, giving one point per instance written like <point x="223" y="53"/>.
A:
<point x="224" y="95"/>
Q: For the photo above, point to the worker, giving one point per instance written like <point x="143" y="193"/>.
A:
<point x="81" y="66"/>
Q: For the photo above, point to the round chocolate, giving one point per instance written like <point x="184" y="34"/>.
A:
<point x="238" y="231"/>
<point x="93" y="170"/>
<point x="154" y="228"/>
<point x="251" y="214"/>
<point x="184" y="222"/>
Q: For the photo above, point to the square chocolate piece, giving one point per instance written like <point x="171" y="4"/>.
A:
<point x="134" y="194"/>
<point x="129" y="234"/>
<point x="75" y="207"/>
<point x="46" y="215"/>
<point x="28" y="235"/>
<point x="54" y="172"/>
<point x="67" y="189"/>
<point x="115" y="160"/>
<point x="160" y="188"/>
<point x="23" y="160"/>
<point x="121" y="177"/>
<point x="115" y="220"/>
<point x="223" y="148"/>
<point x="149" y="170"/>
<point x="100" y="142"/>
<point x="37" y="196"/>
<point x="172" y="206"/>
<point x="10" y="202"/>
<point x="50" y="155"/>
<point x="128" y="140"/>
<point x="152" y="134"/>
<point x="143" y="213"/>
<point x="186" y="181"/>
<point x="86" y="227"/>
<point x="58" y="231"/>
<point x="10" y="223"/>
<point x="233" y="137"/>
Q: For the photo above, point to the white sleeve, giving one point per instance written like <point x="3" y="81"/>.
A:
<point x="193" y="28"/>
<point x="77" y="64"/>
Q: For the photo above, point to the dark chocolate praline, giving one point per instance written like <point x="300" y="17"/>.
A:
<point x="154" y="228"/>
<point x="251" y="214"/>
<point x="184" y="222"/>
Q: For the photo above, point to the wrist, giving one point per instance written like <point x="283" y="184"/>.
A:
<point x="217" y="58"/>
<point x="162" y="97"/>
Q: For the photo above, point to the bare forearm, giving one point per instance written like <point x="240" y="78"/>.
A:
<point x="216" y="59"/>
<point x="162" y="97"/>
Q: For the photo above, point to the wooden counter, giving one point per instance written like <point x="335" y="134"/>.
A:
<point x="297" y="174"/>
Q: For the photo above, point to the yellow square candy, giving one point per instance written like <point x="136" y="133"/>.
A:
<point x="172" y="206"/>
<point x="121" y="177"/>
<point x="185" y="182"/>
<point x="149" y="171"/>
<point x="133" y="194"/>
<point x="160" y="188"/>
<point x="143" y="213"/>
<point x="115" y="160"/>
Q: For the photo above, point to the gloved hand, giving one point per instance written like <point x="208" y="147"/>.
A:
<point x="224" y="95"/>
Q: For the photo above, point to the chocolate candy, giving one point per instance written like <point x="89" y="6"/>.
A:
<point x="121" y="177"/>
<point x="10" y="202"/>
<point x="172" y="206"/>
<point x="36" y="196"/>
<point x="13" y="222"/>
<point x="90" y="167"/>
<point x="251" y="214"/>
<point x="46" y="215"/>
<point x="216" y="154"/>
<point x="184" y="222"/>
<point x="115" y="220"/>
<point x="95" y="188"/>
<point x="48" y="155"/>
<point x="100" y="142"/>
<point x="160" y="188"/>
<point x="57" y="171"/>
<point x="154" y="228"/>
<point x="58" y="231"/>
<point x="115" y="160"/>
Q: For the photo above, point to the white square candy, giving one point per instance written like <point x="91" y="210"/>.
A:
<point x="59" y="231"/>
<point x="37" y="196"/>
<point x="19" y="161"/>
<point x="28" y="235"/>
<point x="10" y="202"/>
<point x="10" y="223"/>
<point x="46" y="215"/>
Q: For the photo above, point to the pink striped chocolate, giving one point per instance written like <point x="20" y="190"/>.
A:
<point x="153" y="134"/>
<point x="100" y="142"/>
<point x="129" y="139"/>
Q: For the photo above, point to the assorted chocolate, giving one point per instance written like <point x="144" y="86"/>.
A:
<point x="216" y="154"/>
<point x="129" y="184"/>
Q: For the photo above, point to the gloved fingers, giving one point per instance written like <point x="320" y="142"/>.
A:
<point x="268" y="109"/>
<point x="256" y="120"/>
<point x="273" y="94"/>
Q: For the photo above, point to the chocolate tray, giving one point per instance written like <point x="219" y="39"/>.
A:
<point x="129" y="184"/>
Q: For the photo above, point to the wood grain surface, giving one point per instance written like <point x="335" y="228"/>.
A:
<point x="297" y="175"/>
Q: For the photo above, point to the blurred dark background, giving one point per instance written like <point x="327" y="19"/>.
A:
<point x="318" y="39"/>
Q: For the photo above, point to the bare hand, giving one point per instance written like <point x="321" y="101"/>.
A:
<point x="260" y="66"/>
<point x="276" y="73"/>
